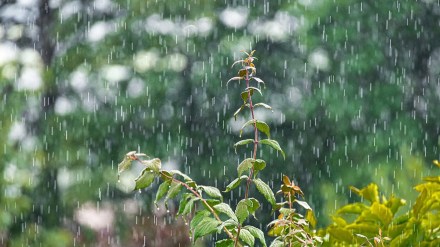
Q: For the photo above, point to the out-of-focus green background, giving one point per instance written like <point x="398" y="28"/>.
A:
<point x="354" y="85"/>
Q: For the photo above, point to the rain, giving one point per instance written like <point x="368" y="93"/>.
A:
<point x="350" y="95"/>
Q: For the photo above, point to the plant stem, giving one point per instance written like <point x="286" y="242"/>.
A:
<point x="251" y="171"/>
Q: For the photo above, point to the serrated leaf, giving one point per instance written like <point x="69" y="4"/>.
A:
<point x="242" y="211"/>
<point x="162" y="190"/>
<point x="198" y="217"/>
<point x="226" y="209"/>
<point x="274" y="144"/>
<point x="247" y="237"/>
<point x="174" y="189"/>
<point x="303" y="204"/>
<point x="243" y="142"/>
<point x="235" y="183"/>
<point x="265" y="190"/>
<point x="145" y="179"/>
<point x="153" y="164"/>
<point x="211" y="191"/>
<point x="206" y="226"/>
<point x="257" y="233"/>
<point x="245" y="165"/>
<point x="234" y="79"/>
<point x="263" y="105"/>
<point x="225" y="243"/>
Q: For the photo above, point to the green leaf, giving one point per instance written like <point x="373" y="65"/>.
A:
<point x="225" y="209"/>
<point x="245" y="94"/>
<point x="311" y="218"/>
<point x="354" y="208"/>
<point x="259" y="165"/>
<point x="274" y="144"/>
<point x="206" y="226"/>
<point x="186" y="177"/>
<point x="257" y="233"/>
<point x="234" y="79"/>
<point x="420" y="202"/>
<point x="243" y="142"/>
<point x="198" y="217"/>
<point x="242" y="211"/>
<point x="124" y="165"/>
<point x="183" y="202"/>
<point x="235" y="183"/>
<point x="230" y="223"/>
<point x="211" y="191"/>
<point x="261" y="126"/>
<point x="245" y="165"/>
<point x="303" y="204"/>
<point x="153" y="164"/>
<point x="265" y="190"/>
<point x="253" y="206"/>
<point x="247" y="237"/>
<point x="277" y="243"/>
<point x="175" y="188"/>
<point x="263" y="105"/>
<point x="370" y="192"/>
<point x="238" y="61"/>
<point x="224" y="243"/>
<point x="189" y="206"/>
<point x="145" y="179"/>
<point x="162" y="190"/>
<point x="256" y="89"/>
<point x="238" y="111"/>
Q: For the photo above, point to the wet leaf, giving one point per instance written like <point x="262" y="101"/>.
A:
<point x="243" y="142"/>
<point x="304" y="204"/>
<point x="247" y="237"/>
<point x="274" y="144"/>
<point x="189" y="206"/>
<point x="234" y="79"/>
<point x="245" y="95"/>
<point x="370" y="192"/>
<point x="261" y="126"/>
<point x="263" y="105"/>
<point x="238" y="111"/>
<point x="198" y="217"/>
<point x="259" y="165"/>
<point x="238" y="61"/>
<point x="258" y="79"/>
<point x="145" y="179"/>
<point x="162" y="190"/>
<point x="211" y="191"/>
<point x="153" y="164"/>
<point x="225" y="243"/>
<point x="245" y="165"/>
<point x="265" y="190"/>
<point x="183" y="202"/>
<point x="242" y="211"/>
<point x="257" y="233"/>
<point x="206" y="226"/>
<point x="235" y="183"/>
<point x="174" y="189"/>
<point x="286" y="180"/>
<point x="277" y="243"/>
<point x="226" y="209"/>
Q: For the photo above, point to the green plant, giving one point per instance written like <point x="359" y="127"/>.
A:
<point x="377" y="221"/>
<point x="214" y="215"/>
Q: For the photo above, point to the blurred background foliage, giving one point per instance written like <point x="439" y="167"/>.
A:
<point x="354" y="86"/>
